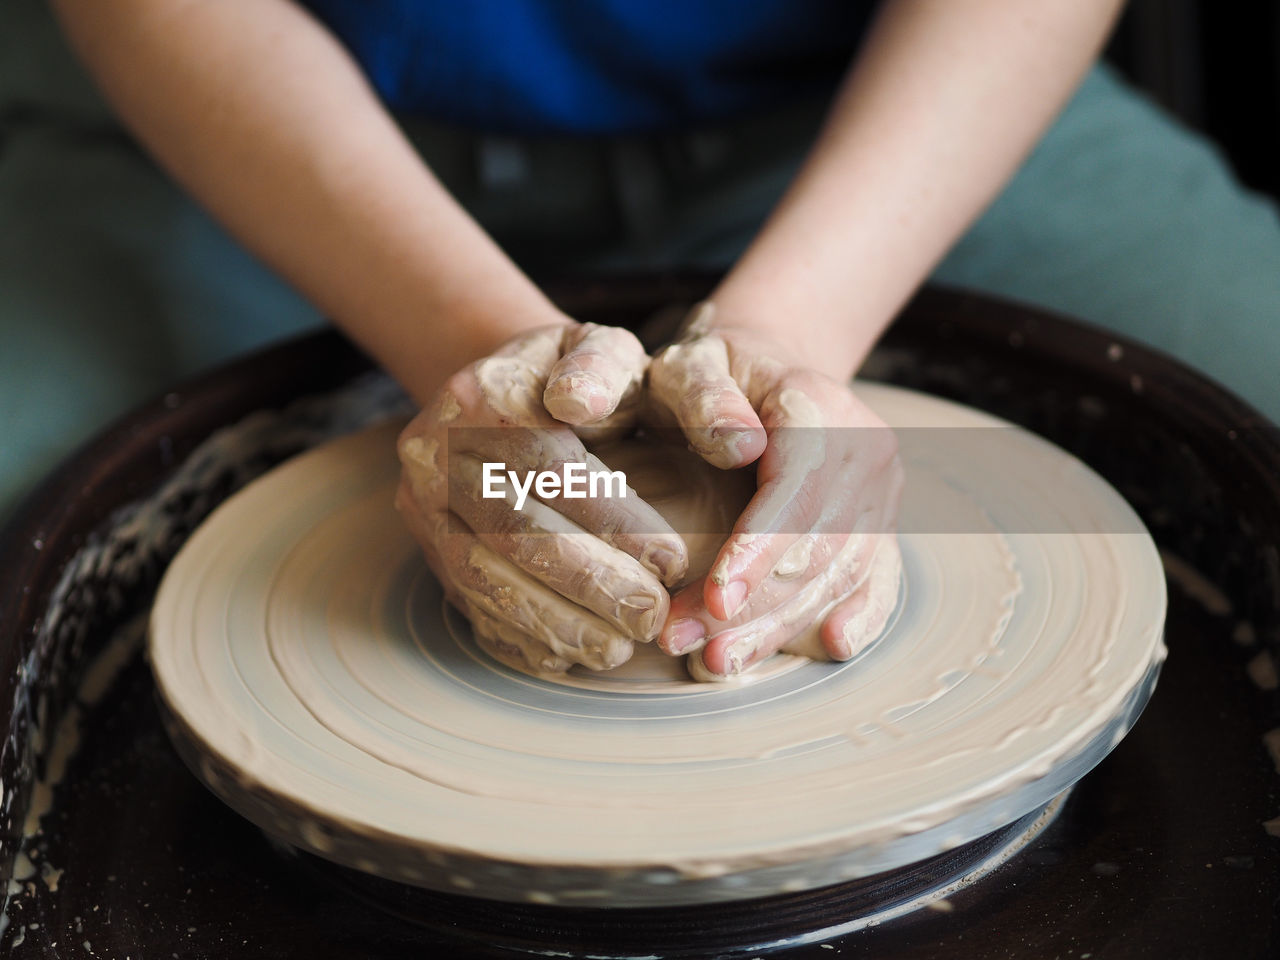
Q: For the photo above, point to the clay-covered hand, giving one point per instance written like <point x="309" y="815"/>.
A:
<point x="812" y="565"/>
<point x="560" y="581"/>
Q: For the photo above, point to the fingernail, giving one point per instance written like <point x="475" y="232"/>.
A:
<point x="592" y="386"/>
<point x="685" y="634"/>
<point x="594" y="397"/>
<point x="735" y="595"/>
<point x="736" y="656"/>
<point x="664" y="561"/>
<point x="839" y="648"/>
<point x="578" y="395"/>
<point x="733" y="439"/>
<point x="730" y="436"/>
<point x="639" y="613"/>
<point x="728" y="445"/>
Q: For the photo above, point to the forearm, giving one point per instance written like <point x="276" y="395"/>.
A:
<point x="945" y="100"/>
<point x="259" y="112"/>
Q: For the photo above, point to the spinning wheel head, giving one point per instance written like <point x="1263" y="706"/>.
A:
<point x="313" y="682"/>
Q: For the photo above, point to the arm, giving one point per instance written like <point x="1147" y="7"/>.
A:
<point x="262" y="115"/>
<point x="944" y="101"/>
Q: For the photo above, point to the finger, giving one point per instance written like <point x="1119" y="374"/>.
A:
<point x="513" y="647"/>
<point x="520" y="449"/>
<point x="751" y="567"/>
<point x="421" y="462"/>
<point x="808" y="482"/>
<point x="628" y="523"/>
<point x="853" y="624"/>
<point x="692" y="381"/>
<point x="512" y="378"/>
<point x="794" y="623"/>
<point x="552" y="549"/>
<point x="749" y="560"/>
<point x="688" y="623"/>
<point x="738" y="648"/>
<point x="598" y="377"/>
<point x="734" y="650"/>
<point x="612" y="510"/>
<point x="497" y="587"/>
<point x="431" y="528"/>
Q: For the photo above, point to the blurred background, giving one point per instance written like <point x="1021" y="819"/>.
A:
<point x="1217" y="67"/>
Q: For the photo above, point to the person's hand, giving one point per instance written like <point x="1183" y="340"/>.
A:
<point x="812" y="565"/>
<point x="561" y="581"/>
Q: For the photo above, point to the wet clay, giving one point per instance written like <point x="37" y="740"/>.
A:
<point x="298" y="639"/>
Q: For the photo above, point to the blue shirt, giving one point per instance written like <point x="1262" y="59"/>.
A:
<point x="594" y="66"/>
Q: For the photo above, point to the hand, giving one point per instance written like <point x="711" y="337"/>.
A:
<point x="542" y="592"/>
<point x="812" y="565"/>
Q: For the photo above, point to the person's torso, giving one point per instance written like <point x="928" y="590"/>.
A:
<point x="594" y="66"/>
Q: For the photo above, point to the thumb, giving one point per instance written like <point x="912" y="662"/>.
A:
<point x="692" y="380"/>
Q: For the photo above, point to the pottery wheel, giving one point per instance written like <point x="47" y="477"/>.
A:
<point x="313" y="679"/>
